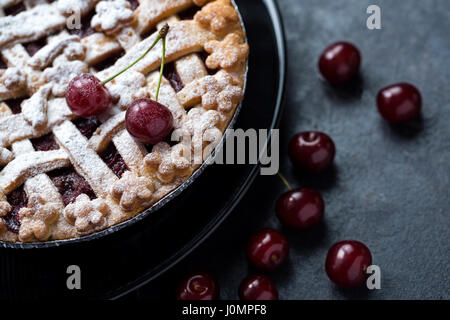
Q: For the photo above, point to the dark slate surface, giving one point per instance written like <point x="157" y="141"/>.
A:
<point x="389" y="187"/>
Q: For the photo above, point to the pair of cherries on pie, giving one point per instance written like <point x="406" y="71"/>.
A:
<point x="146" y="120"/>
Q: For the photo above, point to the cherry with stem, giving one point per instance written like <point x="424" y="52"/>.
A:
<point x="87" y="96"/>
<point x="299" y="209"/>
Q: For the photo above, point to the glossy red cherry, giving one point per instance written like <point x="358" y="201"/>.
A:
<point x="87" y="97"/>
<point x="148" y="121"/>
<point x="340" y="62"/>
<point x="198" y="286"/>
<point x="399" y="103"/>
<point x="267" y="249"/>
<point x="300" y="209"/>
<point x="258" y="287"/>
<point x="347" y="262"/>
<point x="312" y="151"/>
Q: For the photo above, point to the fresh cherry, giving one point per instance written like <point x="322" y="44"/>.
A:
<point x="87" y="97"/>
<point x="347" y="262"/>
<point x="399" y="103"/>
<point x="258" y="287"/>
<point x="148" y="121"/>
<point x="300" y="209"/>
<point x="340" y="62"/>
<point x="267" y="249"/>
<point x="312" y="151"/>
<point x="198" y="286"/>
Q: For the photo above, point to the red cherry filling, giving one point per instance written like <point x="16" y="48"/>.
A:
<point x="340" y="62"/>
<point x="2" y="63"/>
<point x="70" y="184"/>
<point x="198" y="286"/>
<point x="17" y="199"/>
<point x="347" y="262"/>
<point x="15" y="105"/>
<point x="35" y="46"/>
<point x="15" y="9"/>
<point x="108" y="62"/>
<point x="114" y="160"/>
<point x="399" y="103"/>
<point x="87" y="127"/>
<point x="300" y="209"/>
<point x="267" y="249"/>
<point x="312" y="151"/>
<point x="134" y="4"/>
<point x="148" y="121"/>
<point x="87" y="97"/>
<point x="258" y="287"/>
<point x="45" y="143"/>
<point x="171" y="74"/>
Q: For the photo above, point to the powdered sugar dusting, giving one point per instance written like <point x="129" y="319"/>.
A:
<point x="30" y="165"/>
<point x="45" y="56"/>
<point x="111" y="16"/>
<point x="39" y="21"/>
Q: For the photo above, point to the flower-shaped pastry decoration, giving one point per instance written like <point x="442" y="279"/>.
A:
<point x="167" y="162"/>
<point x="219" y="16"/>
<point x="36" y="219"/>
<point x="111" y="16"/>
<point x="132" y="192"/>
<point x="87" y="215"/>
<point x="202" y="125"/>
<point x="220" y="93"/>
<point x="226" y="53"/>
<point x="14" y="79"/>
<point x="214" y="92"/>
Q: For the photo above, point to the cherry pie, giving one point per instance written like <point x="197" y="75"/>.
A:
<point x="62" y="176"/>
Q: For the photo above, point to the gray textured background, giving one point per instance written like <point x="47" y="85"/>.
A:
<point x="389" y="187"/>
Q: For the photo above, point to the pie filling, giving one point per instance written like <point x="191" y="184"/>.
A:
<point x="109" y="61"/>
<point x="70" y="184"/>
<point x="34" y="46"/>
<point x="189" y="13"/>
<point x="15" y="9"/>
<point x="87" y="127"/>
<point x="114" y="160"/>
<point x="134" y="4"/>
<point x="45" y="143"/>
<point x="14" y="105"/>
<point x="2" y="63"/>
<point x="18" y="200"/>
<point x="171" y="74"/>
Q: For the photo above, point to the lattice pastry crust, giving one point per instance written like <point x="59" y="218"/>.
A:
<point x="63" y="177"/>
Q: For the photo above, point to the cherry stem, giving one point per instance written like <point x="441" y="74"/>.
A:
<point x="163" y="60"/>
<point x="161" y="35"/>
<point x="285" y="181"/>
